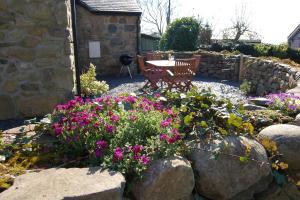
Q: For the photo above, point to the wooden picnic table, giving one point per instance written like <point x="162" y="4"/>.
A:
<point x="161" y="63"/>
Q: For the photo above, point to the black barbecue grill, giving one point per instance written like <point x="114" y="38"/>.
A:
<point x="125" y="61"/>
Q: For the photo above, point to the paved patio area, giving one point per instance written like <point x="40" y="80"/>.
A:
<point x="222" y="88"/>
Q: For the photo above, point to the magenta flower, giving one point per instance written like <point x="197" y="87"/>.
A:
<point x="157" y="95"/>
<point x="57" y="128"/>
<point x="130" y="99"/>
<point x="171" y="140"/>
<point x="145" y="159"/>
<point x="137" y="149"/>
<point x="101" y="144"/>
<point x="114" y="118"/>
<point x="118" y="154"/>
<point x="163" y="137"/>
<point x="98" y="153"/>
<point x="109" y="128"/>
<point x="166" y="123"/>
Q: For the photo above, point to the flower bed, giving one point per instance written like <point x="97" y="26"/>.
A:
<point x="123" y="133"/>
<point x="286" y="102"/>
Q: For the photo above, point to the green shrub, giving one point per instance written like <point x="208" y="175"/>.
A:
<point x="279" y="51"/>
<point x="247" y="49"/>
<point x="261" y="50"/>
<point x="181" y="35"/>
<point x="246" y="87"/>
<point x="89" y="84"/>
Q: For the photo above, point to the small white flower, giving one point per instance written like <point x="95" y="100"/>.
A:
<point x="162" y="99"/>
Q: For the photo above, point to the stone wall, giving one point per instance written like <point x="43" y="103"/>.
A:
<point x="36" y="56"/>
<point x="117" y="35"/>
<point x="268" y="76"/>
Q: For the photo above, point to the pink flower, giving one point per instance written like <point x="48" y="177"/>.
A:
<point x="109" y="128"/>
<point x="130" y="99"/>
<point x="145" y="159"/>
<point x="114" y="118"/>
<point x="101" y="144"/>
<point x="157" y="95"/>
<point x="98" y="153"/>
<point x="171" y="140"/>
<point x="132" y="118"/>
<point x="57" y="128"/>
<point x="118" y="154"/>
<point x="137" y="149"/>
<point x="118" y="99"/>
<point x="96" y="125"/>
<point x="163" y="137"/>
<point x="166" y="123"/>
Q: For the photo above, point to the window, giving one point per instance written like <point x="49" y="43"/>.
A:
<point x="94" y="49"/>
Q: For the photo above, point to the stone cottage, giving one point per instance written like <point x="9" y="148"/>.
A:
<point x="294" y="38"/>
<point x="107" y="29"/>
<point x="42" y="42"/>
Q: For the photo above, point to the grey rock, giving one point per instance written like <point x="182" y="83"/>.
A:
<point x="227" y="177"/>
<point x="260" y="101"/>
<point x="287" y="138"/>
<point x="168" y="179"/>
<point x="73" y="183"/>
<point x="297" y="120"/>
<point x="112" y="28"/>
<point x="253" y="107"/>
<point x="288" y="191"/>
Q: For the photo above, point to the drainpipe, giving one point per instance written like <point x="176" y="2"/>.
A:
<point x="138" y="38"/>
<point x="75" y="43"/>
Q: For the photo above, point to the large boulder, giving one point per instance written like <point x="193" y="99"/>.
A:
<point x="297" y="120"/>
<point x="287" y="138"/>
<point x="288" y="191"/>
<point x="226" y="177"/>
<point x="260" y="101"/>
<point x="168" y="179"/>
<point x="73" y="183"/>
<point x="27" y="132"/>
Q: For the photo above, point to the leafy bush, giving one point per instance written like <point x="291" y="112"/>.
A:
<point x="206" y="116"/>
<point x="181" y="35"/>
<point x="89" y="84"/>
<point x="279" y="51"/>
<point x="245" y="87"/>
<point x="121" y="133"/>
<point x="247" y="49"/>
<point x="261" y="50"/>
<point x="288" y="103"/>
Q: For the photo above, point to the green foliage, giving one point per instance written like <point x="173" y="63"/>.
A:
<point x="89" y="84"/>
<point x="261" y="50"/>
<point x="181" y="35"/>
<point x="279" y="51"/>
<point x="123" y="133"/>
<point x="209" y="117"/>
<point x="245" y="87"/>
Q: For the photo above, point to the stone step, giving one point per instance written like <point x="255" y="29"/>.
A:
<point x="72" y="183"/>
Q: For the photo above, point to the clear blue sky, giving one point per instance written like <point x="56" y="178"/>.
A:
<point x="274" y="20"/>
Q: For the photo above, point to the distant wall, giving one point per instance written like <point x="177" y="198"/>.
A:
<point x="117" y="35"/>
<point x="36" y="56"/>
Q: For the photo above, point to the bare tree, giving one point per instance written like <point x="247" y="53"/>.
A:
<point x="240" y="26"/>
<point x="157" y="13"/>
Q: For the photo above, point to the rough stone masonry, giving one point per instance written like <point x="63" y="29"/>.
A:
<point x="36" y="56"/>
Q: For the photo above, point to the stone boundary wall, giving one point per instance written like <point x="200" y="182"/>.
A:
<point x="36" y="56"/>
<point x="265" y="76"/>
